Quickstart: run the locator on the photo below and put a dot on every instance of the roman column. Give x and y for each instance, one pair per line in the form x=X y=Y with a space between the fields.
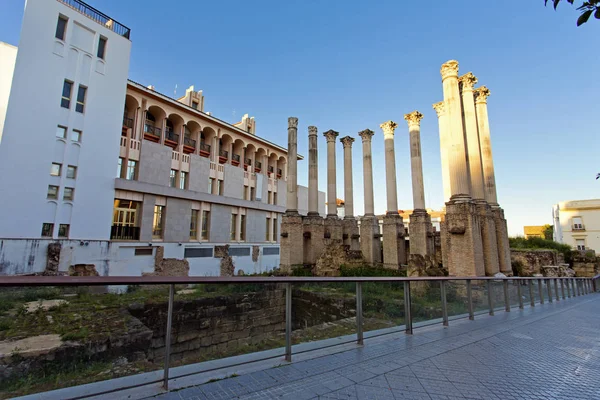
x=366 y=136
x=416 y=163
x=466 y=83
x=390 y=166
x=440 y=110
x=331 y=135
x=459 y=179
x=292 y=167
x=482 y=94
x=348 y=195
x=313 y=172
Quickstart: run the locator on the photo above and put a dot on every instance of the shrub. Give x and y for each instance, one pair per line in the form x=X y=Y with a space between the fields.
x=521 y=242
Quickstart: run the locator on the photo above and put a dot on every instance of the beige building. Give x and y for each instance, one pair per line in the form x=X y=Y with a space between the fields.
x=532 y=231
x=577 y=223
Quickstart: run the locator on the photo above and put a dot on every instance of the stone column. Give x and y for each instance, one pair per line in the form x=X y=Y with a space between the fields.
x=313 y=172
x=459 y=178
x=390 y=166
x=331 y=135
x=416 y=162
x=394 y=244
x=292 y=167
x=370 y=242
x=348 y=195
x=442 y=122
x=482 y=94
x=466 y=83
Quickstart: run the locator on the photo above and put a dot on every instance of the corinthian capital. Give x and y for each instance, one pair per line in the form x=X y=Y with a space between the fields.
x=312 y=131
x=414 y=118
x=347 y=141
x=388 y=128
x=481 y=94
x=439 y=108
x=467 y=81
x=449 y=69
x=292 y=122
x=366 y=135
x=330 y=135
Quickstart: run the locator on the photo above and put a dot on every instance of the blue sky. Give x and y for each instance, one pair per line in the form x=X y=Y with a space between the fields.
x=349 y=65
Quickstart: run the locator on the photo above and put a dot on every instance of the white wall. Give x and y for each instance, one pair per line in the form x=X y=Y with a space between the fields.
x=589 y=212
x=29 y=145
x=8 y=56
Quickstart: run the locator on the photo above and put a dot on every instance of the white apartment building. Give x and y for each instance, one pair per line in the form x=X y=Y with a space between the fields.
x=577 y=223
x=114 y=170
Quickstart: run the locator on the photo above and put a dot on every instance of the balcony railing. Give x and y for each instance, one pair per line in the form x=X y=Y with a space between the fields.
x=98 y=16
x=235 y=157
x=152 y=130
x=257 y=166
x=223 y=153
x=270 y=169
x=172 y=136
x=122 y=232
x=128 y=122
x=247 y=161
x=189 y=142
x=205 y=147
x=279 y=172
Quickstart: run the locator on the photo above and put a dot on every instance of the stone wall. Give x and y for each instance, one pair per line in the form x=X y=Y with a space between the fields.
x=155 y=163
x=531 y=260
x=200 y=171
x=586 y=264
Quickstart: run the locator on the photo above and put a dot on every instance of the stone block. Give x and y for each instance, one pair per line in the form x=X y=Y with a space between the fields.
x=502 y=240
x=292 y=240
x=488 y=239
x=394 y=247
x=421 y=233
x=462 y=232
x=369 y=243
x=313 y=238
x=350 y=233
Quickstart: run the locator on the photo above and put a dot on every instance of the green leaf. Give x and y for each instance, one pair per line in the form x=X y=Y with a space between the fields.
x=597 y=13
x=583 y=18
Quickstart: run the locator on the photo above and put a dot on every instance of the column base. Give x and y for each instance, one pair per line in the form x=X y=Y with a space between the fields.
x=350 y=233
x=394 y=244
x=488 y=238
x=420 y=233
x=370 y=242
x=502 y=241
x=291 y=246
x=333 y=229
x=313 y=238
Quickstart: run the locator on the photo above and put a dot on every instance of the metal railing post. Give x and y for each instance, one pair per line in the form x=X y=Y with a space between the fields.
x=168 y=337
x=568 y=285
x=519 y=293
x=562 y=288
x=594 y=285
x=288 y=322
x=530 y=283
x=359 y=314
x=470 y=300
x=541 y=290
x=490 y=299
x=407 y=307
x=549 y=288
x=556 y=289
x=587 y=286
x=576 y=288
x=506 y=297
x=444 y=304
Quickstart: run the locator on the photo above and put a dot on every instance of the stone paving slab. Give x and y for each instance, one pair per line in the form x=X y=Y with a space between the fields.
x=551 y=351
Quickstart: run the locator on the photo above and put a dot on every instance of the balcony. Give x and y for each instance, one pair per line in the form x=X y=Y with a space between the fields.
x=247 y=163
x=123 y=232
x=278 y=173
x=189 y=145
x=235 y=159
x=204 y=149
x=258 y=166
x=151 y=132
x=223 y=155
x=127 y=122
x=578 y=227
x=171 y=139
x=98 y=16
x=270 y=170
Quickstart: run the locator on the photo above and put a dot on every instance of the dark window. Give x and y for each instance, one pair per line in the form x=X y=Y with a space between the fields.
x=61 y=27
x=80 y=99
x=239 y=251
x=195 y=105
x=143 y=251
x=63 y=230
x=52 y=192
x=101 y=47
x=47 y=229
x=195 y=252
x=270 y=251
x=65 y=101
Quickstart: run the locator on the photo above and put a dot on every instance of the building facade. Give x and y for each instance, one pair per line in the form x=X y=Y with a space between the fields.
x=577 y=223
x=116 y=170
x=534 y=231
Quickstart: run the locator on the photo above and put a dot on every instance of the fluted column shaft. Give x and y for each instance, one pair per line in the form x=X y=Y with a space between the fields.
x=313 y=172
x=483 y=122
x=390 y=166
x=292 y=167
x=366 y=136
x=348 y=190
x=440 y=109
x=331 y=136
x=459 y=180
x=416 y=163
x=472 y=136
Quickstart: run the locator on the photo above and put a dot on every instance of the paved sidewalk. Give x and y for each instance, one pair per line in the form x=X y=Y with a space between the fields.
x=551 y=351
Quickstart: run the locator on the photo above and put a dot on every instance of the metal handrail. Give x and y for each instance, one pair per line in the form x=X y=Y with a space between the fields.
x=98 y=16
x=187 y=141
x=172 y=136
x=235 y=157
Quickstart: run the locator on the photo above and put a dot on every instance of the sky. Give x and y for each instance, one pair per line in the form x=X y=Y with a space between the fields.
x=350 y=65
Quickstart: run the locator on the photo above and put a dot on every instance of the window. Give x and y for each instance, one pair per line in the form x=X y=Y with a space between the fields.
x=157 y=226
x=183 y=179
x=147 y=251
x=211 y=182
x=61 y=27
x=580 y=243
x=267 y=231
x=71 y=172
x=220 y=187
x=252 y=193
x=69 y=193
x=194 y=225
x=195 y=105
x=61 y=132
x=76 y=135
x=63 y=230
x=47 y=229
x=173 y=178
x=55 y=169
x=243 y=227
x=120 y=168
x=245 y=192
x=205 y=224
x=65 y=101
x=269 y=197
x=52 y=192
x=275 y=198
x=274 y=229
x=577 y=224
x=131 y=170
x=80 y=99
x=233 y=226
x=101 y=47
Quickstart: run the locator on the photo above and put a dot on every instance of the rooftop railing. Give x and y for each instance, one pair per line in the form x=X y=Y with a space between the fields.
x=507 y=292
x=98 y=16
